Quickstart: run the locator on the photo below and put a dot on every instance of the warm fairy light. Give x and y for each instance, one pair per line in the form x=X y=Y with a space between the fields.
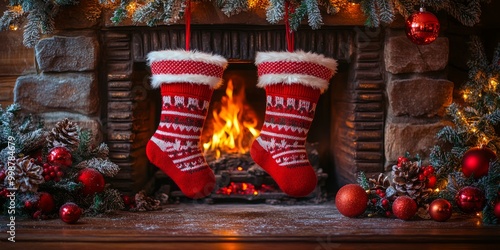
x=473 y=130
x=13 y=27
x=17 y=8
x=493 y=84
x=234 y=124
x=255 y=192
x=465 y=96
x=257 y=4
x=436 y=190
x=131 y=7
x=240 y=168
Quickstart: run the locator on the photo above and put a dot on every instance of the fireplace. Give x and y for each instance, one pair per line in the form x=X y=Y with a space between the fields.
x=349 y=122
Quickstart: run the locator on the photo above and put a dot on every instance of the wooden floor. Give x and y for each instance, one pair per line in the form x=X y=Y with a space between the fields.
x=245 y=226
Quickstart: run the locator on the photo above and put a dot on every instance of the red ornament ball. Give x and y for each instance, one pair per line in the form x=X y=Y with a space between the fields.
x=496 y=210
x=440 y=210
x=476 y=161
x=470 y=199
x=92 y=180
x=404 y=207
x=422 y=27
x=46 y=203
x=60 y=156
x=70 y=213
x=351 y=200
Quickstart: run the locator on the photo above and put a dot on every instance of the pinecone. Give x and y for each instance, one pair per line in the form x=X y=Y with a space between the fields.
x=381 y=182
x=407 y=182
x=65 y=134
x=27 y=175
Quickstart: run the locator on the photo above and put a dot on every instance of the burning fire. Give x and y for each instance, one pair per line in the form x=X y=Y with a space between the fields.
x=243 y=188
x=234 y=124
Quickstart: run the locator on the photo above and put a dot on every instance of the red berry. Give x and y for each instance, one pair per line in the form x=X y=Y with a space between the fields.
x=37 y=215
x=57 y=179
x=46 y=165
x=427 y=172
x=2 y=176
x=57 y=169
x=46 y=177
x=431 y=169
x=52 y=174
x=421 y=177
x=402 y=159
x=374 y=201
x=378 y=191
x=431 y=181
x=382 y=194
x=51 y=168
x=59 y=174
x=388 y=213
x=385 y=202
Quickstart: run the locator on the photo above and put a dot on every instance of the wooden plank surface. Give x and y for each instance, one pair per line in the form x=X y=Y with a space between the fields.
x=249 y=226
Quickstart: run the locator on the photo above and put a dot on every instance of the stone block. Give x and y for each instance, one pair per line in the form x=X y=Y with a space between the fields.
x=62 y=54
x=72 y=92
x=406 y=137
x=91 y=124
x=403 y=56
x=419 y=97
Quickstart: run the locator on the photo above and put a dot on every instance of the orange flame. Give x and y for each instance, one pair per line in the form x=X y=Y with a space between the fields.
x=243 y=188
x=234 y=124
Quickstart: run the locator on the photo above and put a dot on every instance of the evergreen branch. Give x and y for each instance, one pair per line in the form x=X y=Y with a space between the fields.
x=297 y=16
x=314 y=15
x=405 y=8
x=104 y=166
x=32 y=32
x=275 y=12
x=369 y=9
x=232 y=7
x=10 y=17
x=363 y=181
x=31 y=141
x=386 y=11
x=108 y=201
x=102 y=151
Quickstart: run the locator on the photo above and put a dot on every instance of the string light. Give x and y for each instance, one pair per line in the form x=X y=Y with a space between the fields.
x=13 y=27
x=18 y=9
x=493 y=83
x=131 y=7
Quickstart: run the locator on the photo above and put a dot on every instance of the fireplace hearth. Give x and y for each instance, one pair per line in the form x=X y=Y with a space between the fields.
x=351 y=110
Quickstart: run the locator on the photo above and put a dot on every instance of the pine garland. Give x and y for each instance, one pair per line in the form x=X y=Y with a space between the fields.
x=39 y=14
x=30 y=154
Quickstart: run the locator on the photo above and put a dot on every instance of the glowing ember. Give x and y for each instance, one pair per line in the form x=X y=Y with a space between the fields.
x=243 y=188
x=233 y=124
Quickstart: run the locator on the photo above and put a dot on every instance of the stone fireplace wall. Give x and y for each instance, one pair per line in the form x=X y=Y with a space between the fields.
x=418 y=93
x=393 y=99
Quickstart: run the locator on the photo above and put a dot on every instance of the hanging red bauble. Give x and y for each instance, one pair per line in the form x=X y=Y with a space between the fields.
x=351 y=200
x=440 y=210
x=422 y=27
x=470 y=199
x=404 y=207
x=70 y=213
x=496 y=210
x=477 y=161
x=45 y=203
x=60 y=156
x=92 y=180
